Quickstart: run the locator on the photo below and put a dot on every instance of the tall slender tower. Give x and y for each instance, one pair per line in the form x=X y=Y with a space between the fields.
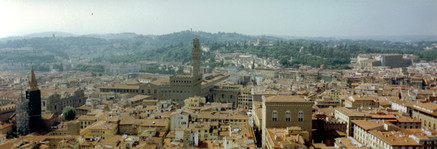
x=33 y=94
x=196 y=57
x=197 y=76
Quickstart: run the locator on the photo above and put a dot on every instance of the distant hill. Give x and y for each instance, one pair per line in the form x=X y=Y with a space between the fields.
x=50 y=34
x=34 y=35
x=180 y=37
x=172 y=38
x=404 y=38
x=187 y=36
x=112 y=36
x=41 y=47
x=176 y=47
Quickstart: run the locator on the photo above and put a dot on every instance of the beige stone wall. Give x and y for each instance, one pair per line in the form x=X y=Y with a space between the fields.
x=271 y=73
x=85 y=123
x=130 y=129
x=282 y=108
x=428 y=121
x=360 y=103
x=244 y=100
x=180 y=88
x=361 y=135
x=342 y=117
x=294 y=108
x=225 y=96
x=102 y=132
x=287 y=75
x=150 y=89
x=56 y=102
x=158 y=128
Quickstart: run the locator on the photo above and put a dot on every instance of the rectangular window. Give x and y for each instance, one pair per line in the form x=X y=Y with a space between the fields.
x=287 y=116
x=300 y=116
x=275 y=115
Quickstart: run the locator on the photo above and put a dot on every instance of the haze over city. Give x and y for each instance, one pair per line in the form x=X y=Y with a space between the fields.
x=218 y=74
x=341 y=18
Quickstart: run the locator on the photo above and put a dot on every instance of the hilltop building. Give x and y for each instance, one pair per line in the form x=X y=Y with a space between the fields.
x=368 y=61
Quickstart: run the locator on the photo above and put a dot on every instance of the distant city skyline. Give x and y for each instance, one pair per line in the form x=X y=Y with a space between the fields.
x=291 y=18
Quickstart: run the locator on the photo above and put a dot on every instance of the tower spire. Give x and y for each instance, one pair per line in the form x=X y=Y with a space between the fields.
x=33 y=84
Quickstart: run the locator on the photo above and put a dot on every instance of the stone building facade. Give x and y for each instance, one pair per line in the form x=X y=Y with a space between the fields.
x=245 y=98
x=57 y=102
x=226 y=93
x=427 y=114
x=286 y=111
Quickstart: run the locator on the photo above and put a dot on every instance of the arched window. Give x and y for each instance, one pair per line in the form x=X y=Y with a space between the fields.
x=275 y=115
x=300 y=116
x=287 y=116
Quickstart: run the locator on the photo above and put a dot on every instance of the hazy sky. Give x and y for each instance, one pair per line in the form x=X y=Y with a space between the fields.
x=330 y=18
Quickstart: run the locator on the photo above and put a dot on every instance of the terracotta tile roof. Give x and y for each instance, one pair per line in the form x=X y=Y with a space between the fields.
x=122 y=86
x=285 y=99
x=368 y=124
x=406 y=119
x=350 y=112
x=139 y=97
x=394 y=139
